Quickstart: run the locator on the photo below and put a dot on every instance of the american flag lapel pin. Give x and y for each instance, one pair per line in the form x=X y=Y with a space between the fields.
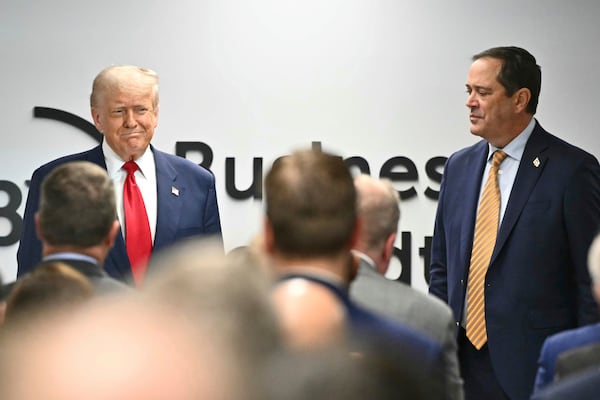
x=174 y=191
x=536 y=162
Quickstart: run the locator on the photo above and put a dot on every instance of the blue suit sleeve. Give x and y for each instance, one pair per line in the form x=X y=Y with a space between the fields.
x=29 y=252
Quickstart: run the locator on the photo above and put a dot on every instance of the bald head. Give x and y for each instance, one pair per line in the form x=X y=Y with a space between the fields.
x=594 y=266
x=379 y=211
x=310 y=315
x=113 y=349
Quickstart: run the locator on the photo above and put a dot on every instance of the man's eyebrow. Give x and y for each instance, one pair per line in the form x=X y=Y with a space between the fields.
x=478 y=87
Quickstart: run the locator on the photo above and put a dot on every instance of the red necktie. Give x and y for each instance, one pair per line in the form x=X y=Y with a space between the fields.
x=138 y=239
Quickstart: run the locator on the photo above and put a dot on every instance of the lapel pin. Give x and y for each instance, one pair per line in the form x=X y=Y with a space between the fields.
x=536 y=162
x=174 y=191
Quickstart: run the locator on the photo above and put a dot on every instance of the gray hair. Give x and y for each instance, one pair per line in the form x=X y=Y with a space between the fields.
x=378 y=205
x=118 y=75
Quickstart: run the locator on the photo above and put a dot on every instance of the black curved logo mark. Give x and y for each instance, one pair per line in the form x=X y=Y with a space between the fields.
x=68 y=118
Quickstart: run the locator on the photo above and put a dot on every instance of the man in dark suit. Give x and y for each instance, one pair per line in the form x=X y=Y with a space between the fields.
x=559 y=343
x=310 y=228
x=76 y=221
x=178 y=196
x=379 y=213
x=535 y=282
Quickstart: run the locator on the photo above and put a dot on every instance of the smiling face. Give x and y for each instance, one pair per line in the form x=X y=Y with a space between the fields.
x=125 y=110
x=493 y=114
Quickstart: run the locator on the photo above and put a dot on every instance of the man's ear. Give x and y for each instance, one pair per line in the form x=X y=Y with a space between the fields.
x=522 y=98
x=2 y=311
x=356 y=232
x=268 y=236
x=97 y=120
x=388 y=251
x=38 y=226
x=112 y=234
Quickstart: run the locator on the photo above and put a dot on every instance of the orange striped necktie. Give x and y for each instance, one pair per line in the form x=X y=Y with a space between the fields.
x=486 y=230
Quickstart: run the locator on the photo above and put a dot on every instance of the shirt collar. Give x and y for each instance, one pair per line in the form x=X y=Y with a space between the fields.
x=70 y=256
x=364 y=258
x=516 y=147
x=114 y=162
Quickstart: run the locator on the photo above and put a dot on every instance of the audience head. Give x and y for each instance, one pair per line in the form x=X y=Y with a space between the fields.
x=310 y=316
x=124 y=105
x=310 y=203
x=379 y=212
x=594 y=266
x=310 y=206
x=51 y=287
x=77 y=208
x=228 y=296
x=115 y=348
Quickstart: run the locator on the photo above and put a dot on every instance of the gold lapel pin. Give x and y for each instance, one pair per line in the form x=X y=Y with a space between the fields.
x=174 y=191
x=536 y=162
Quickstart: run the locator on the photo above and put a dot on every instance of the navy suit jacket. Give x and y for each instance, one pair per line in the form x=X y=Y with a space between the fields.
x=537 y=283
x=414 y=353
x=192 y=211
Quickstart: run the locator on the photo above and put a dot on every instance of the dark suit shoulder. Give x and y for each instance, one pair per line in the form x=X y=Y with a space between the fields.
x=542 y=138
x=181 y=164
x=93 y=155
x=574 y=337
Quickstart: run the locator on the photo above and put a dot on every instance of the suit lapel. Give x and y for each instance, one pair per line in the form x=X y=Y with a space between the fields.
x=527 y=176
x=169 y=200
x=117 y=258
x=96 y=156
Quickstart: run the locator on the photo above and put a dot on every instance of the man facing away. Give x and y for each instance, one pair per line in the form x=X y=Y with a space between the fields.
x=310 y=228
x=76 y=221
x=515 y=218
x=167 y=197
x=379 y=212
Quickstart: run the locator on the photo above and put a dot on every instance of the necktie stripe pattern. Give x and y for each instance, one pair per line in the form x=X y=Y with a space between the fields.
x=486 y=230
x=138 y=239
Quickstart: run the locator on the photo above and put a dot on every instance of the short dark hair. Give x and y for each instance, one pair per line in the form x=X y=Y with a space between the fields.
x=47 y=288
x=77 y=205
x=519 y=70
x=310 y=203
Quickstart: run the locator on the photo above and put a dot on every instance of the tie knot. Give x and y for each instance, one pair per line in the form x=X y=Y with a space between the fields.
x=499 y=156
x=130 y=167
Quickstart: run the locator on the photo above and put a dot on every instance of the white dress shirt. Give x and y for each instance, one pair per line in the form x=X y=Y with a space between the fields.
x=145 y=178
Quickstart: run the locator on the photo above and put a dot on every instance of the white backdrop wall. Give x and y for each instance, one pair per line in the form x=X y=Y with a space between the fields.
x=256 y=79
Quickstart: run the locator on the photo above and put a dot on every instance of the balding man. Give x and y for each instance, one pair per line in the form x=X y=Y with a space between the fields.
x=379 y=212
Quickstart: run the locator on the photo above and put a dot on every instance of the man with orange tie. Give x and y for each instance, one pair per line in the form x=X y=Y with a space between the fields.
x=516 y=215
x=161 y=198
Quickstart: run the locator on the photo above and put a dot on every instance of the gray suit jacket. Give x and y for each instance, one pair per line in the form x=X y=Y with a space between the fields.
x=418 y=310
x=577 y=360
